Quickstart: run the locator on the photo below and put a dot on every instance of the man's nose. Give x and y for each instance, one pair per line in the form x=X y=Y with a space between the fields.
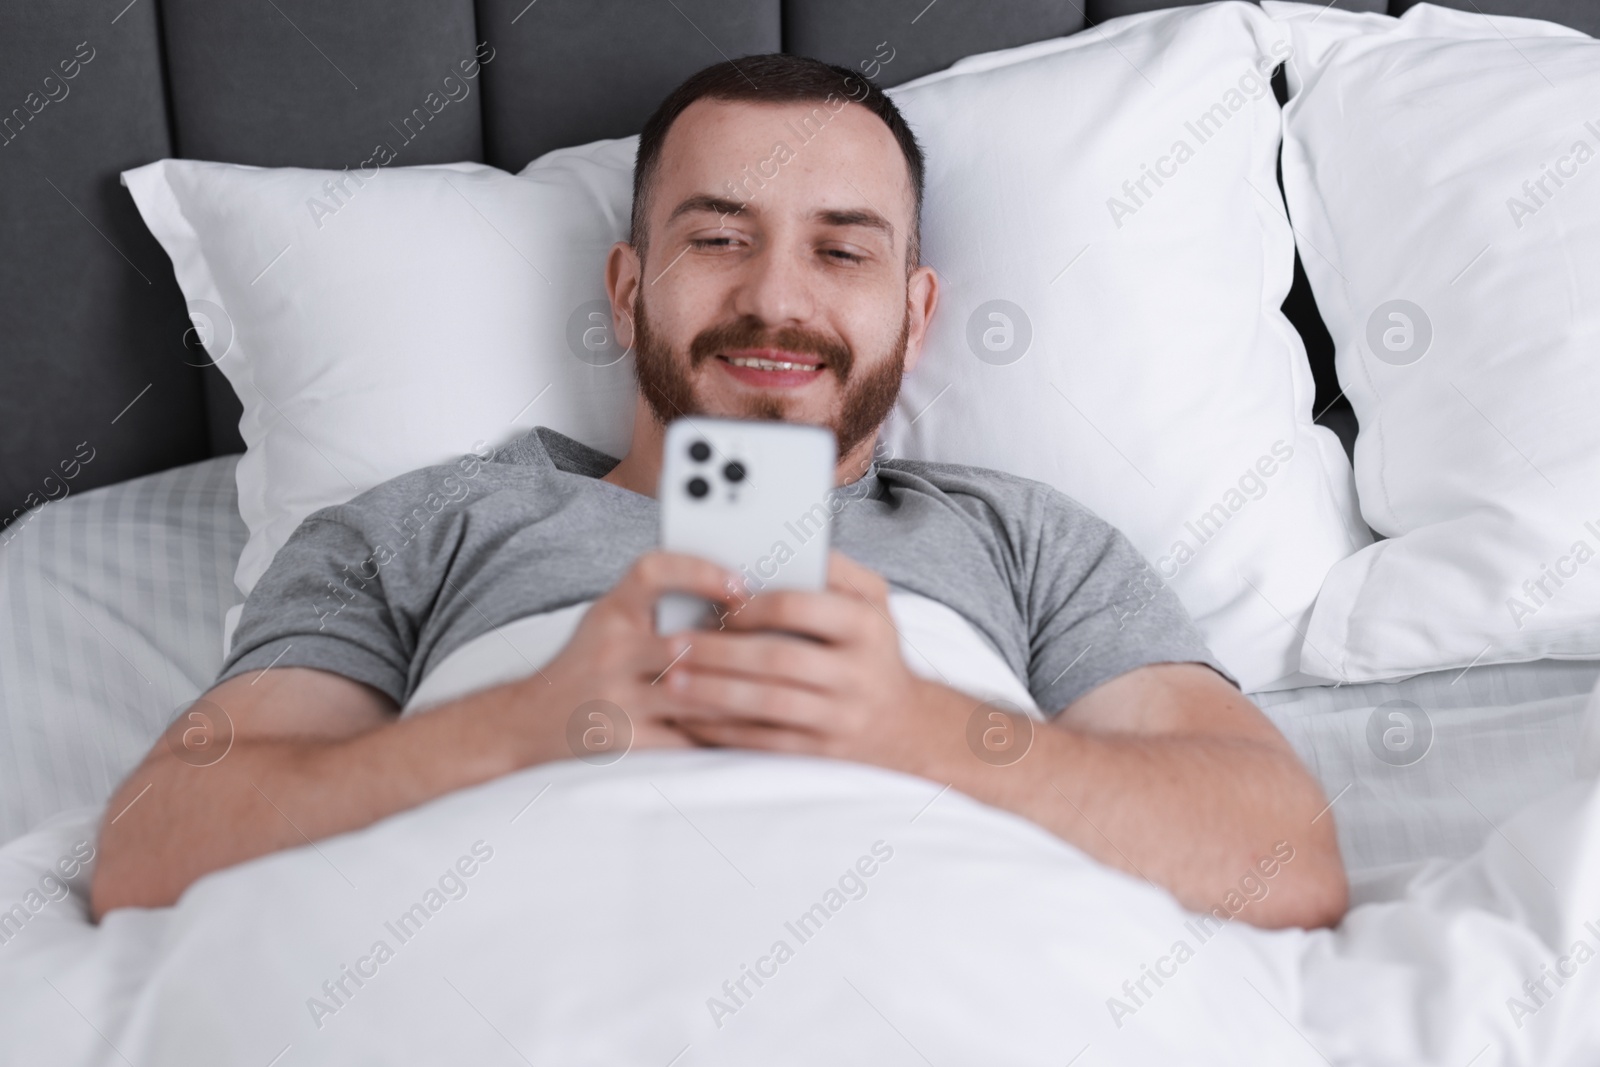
x=776 y=287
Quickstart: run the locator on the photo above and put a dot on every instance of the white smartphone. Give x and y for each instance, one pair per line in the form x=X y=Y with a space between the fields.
x=751 y=496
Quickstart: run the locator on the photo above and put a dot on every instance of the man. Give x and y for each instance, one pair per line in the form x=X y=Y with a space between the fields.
x=797 y=297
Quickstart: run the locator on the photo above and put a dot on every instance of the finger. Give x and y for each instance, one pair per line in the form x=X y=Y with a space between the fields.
x=735 y=733
x=657 y=571
x=661 y=655
x=827 y=616
x=764 y=656
x=713 y=695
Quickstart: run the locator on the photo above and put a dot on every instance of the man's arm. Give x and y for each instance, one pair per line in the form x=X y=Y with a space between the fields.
x=1169 y=773
x=315 y=754
x=1166 y=772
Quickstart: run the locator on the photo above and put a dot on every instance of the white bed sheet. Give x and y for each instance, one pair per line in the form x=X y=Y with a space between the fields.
x=611 y=908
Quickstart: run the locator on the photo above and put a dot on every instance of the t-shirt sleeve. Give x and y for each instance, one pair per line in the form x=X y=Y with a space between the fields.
x=321 y=604
x=1096 y=607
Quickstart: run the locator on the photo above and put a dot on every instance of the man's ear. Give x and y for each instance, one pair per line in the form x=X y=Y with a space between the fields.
x=922 y=298
x=622 y=286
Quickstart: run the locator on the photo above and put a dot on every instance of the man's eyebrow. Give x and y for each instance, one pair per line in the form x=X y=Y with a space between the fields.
x=718 y=205
x=855 y=217
x=723 y=206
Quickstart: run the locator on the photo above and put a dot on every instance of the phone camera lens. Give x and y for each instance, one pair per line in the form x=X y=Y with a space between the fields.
x=698 y=487
x=699 y=452
x=734 y=471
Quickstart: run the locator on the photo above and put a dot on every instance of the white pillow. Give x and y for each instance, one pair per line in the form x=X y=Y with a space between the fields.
x=1124 y=344
x=412 y=324
x=1465 y=305
x=433 y=311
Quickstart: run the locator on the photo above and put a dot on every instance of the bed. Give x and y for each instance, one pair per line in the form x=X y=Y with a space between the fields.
x=1472 y=842
x=1503 y=736
x=99 y=634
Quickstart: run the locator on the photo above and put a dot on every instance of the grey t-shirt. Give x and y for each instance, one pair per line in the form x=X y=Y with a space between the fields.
x=382 y=588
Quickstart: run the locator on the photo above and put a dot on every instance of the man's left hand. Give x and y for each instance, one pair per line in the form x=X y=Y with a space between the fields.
x=818 y=673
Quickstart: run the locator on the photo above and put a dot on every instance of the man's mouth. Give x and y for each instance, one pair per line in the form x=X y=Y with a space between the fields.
x=772 y=367
x=767 y=359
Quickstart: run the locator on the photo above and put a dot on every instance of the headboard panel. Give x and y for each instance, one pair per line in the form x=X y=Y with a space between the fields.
x=93 y=352
x=567 y=72
x=91 y=311
x=251 y=86
x=924 y=37
x=1579 y=14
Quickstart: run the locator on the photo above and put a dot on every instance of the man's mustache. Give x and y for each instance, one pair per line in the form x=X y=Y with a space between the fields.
x=748 y=333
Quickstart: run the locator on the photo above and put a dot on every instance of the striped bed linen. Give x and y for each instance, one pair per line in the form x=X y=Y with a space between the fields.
x=1503 y=736
x=111 y=605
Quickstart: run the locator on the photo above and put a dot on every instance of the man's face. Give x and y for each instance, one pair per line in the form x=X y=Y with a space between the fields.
x=775 y=284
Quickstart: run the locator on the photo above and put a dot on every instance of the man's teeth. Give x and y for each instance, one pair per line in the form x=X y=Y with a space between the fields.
x=770 y=364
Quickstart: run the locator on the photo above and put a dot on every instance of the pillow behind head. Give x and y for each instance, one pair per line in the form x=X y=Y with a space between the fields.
x=1104 y=214
x=374 y=323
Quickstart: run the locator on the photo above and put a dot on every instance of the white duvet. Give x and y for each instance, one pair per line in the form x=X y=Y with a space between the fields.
x=680 y=908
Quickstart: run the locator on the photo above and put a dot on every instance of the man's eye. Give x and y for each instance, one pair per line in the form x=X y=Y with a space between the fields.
x=843 y=255
x=707 y=242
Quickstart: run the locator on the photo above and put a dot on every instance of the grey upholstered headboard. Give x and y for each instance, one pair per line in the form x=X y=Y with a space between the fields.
x=93 y=352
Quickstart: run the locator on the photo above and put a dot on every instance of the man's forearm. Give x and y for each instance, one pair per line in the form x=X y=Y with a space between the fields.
x=1197 y=815
x=169 y=822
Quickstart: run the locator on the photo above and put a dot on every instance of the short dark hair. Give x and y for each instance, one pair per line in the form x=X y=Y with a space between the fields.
x=773 y=77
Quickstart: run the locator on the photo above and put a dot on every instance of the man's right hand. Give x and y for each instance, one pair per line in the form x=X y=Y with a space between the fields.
x=616 y=660
x=312 y=753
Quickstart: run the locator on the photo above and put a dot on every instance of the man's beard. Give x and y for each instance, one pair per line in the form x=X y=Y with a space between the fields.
x=666 y=386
